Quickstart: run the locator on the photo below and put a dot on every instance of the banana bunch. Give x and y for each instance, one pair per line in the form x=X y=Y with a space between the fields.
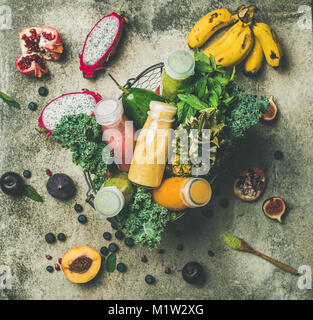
x=246 y=39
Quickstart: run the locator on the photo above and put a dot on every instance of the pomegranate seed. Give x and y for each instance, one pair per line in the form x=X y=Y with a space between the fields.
x=60 y=260
x=48 y=257
x=160 y=251
x=144 y=258
x=211 y=253
x=49 y=173
x=57 y=267
x=167 y=270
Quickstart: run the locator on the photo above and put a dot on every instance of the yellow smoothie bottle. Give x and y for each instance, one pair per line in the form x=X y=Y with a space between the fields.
x=151 y=151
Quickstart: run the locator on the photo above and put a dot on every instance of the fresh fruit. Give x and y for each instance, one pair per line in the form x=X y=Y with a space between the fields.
x=129 y=242
x=50 y=269
x=48 y=257
x=274 y=208
x=150 y=279
x=26 y=174
x=81 y=264
x=121 y=267
x=78 y=208
x=60 y=260
x=192 y=272
x=57 y=267
x=208 y=25
x=167 y=270
x=269 y=42
x=136 y=103
x=113 y=247
x=32 y=106
x=250 y=185
x=82 y=219
x=278 y=155
x=104 y=251
x=101 y=42
x=238 y=49
x=107 y=236
x=67 y=104
x=119 y=235
x=12 y=184
x=48 y=173
x=255 y=59
x=61 y=186
x=61 y=237
x=50 y=238
x=43 y=91
x=37 y=45
x=271 y=111
x=143 y=258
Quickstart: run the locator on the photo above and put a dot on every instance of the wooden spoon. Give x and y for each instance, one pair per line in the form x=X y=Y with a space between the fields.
x=246 y=248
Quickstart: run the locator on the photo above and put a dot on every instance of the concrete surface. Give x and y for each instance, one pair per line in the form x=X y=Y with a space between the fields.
x=155 y=28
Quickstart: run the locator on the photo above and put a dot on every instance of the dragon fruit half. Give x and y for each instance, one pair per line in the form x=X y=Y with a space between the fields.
x=101 y=43
x=37 y=45
x=67 y=104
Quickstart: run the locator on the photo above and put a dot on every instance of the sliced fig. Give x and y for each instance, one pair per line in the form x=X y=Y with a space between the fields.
x=250 y=184
x=274 y=208
x=271 y=111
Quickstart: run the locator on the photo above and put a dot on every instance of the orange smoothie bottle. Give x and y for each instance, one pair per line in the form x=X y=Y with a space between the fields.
x=179 y=193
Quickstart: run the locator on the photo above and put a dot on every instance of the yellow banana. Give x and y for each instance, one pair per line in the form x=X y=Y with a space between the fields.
x=255 y=58
x=269 y=42
x=238 y=49
x=225 y=41
x=208 y=25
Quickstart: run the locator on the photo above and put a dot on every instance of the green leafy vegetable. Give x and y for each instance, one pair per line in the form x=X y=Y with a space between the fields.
x=83 y=136
x=9 y=100
x=31 y=193
x=144 y=220
x=110 y=263
x=193 y=101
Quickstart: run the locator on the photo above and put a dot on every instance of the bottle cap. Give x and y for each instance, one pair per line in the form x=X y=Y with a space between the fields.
x=109 y=201
x=179 y=64
x=196 y=192
x=108 y=111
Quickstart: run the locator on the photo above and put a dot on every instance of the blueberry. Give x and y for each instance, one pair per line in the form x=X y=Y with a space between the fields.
x=43 y=91
x=26 y=174
x=107 y=236
x=121 y=267
x=278 y=155
x=78 y=208
x=32 y=106
x=129 y=242
x=104 y=251
x=61 y=237
x=82 y=219
x=150 y=279
x=50 y=237
x=119 y=235
x=113 y=247
x=50 y=269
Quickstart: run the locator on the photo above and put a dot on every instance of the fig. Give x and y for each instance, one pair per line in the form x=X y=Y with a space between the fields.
x=274 y=208
x=192 y=272
x=250 y=185
x=81 y=264
x=61 y=186
x=12 y=184
x=271 y=111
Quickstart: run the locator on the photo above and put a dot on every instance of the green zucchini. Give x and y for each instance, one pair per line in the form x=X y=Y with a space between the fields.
x=136 y=103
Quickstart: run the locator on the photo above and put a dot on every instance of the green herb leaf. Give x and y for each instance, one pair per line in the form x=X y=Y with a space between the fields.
x=181 y=111
x=201 y=87
x=31 y=193
x=203 y=67
x=212 y=62
x=190 y=113
x=228 y=101
x=232 y=77
x=193 y=101
x=213 y=99
x=222 y=80
x=110 y=263
x=186 y=88
x=202 y=57
x=9 y=100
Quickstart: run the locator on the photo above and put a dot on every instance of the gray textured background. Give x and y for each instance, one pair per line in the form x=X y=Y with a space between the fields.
x=157 y=27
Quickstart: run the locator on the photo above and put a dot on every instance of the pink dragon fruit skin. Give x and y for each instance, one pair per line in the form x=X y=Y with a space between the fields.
x=89 y=70
x=97 y=97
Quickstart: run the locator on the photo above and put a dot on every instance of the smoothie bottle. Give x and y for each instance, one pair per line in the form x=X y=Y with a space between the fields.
x=179 y=65
x=151 y=151
x=118 y=132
